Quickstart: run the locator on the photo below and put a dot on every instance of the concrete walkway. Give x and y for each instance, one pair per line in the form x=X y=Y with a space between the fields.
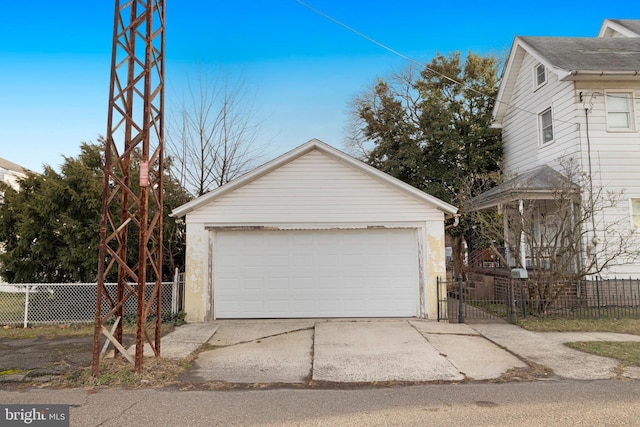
x=548 y=349
x=380 y=350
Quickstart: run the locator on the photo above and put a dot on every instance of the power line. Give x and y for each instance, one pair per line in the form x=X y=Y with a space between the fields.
x=426 y=67
x=384 y=46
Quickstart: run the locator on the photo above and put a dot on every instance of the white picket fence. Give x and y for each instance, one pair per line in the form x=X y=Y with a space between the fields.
x=47 y=303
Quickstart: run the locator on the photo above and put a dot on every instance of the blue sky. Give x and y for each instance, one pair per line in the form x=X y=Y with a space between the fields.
x=302 y=69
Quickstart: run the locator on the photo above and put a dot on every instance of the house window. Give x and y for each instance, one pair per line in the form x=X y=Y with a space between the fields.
x=546 y=126
x=635 y=213
x=619 y=112
x=540 y=75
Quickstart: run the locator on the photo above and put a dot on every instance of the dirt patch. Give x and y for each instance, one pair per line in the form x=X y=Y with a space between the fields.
x=45 y=356
x=40 y=360
x=531 y=373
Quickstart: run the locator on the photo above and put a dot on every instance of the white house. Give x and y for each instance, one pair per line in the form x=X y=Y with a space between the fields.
x=10 y=173
x=314 y=233
x=574 y=99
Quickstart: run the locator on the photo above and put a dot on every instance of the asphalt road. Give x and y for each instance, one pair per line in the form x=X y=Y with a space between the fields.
x=539 y=403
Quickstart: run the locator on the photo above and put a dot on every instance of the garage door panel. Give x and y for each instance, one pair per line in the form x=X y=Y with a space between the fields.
x=278 y=260
x=277 y=283
x=319 y=273
x=303 y=260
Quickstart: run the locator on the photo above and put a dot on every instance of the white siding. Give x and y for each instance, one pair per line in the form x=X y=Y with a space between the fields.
x=615 y=161
x=520 y=135
x=11 y=177
x=615 y=156
x=315 y=189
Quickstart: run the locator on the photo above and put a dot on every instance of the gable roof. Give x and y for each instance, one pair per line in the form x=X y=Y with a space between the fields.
x=300 y=151
x=539 y=183
x=10 y=166
x=620 y=28
x=573 y=58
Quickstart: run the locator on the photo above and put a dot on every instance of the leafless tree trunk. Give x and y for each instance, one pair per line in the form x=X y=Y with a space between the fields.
x=212 y=137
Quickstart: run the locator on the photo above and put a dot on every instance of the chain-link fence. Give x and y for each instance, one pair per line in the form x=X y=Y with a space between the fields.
x=41 y=303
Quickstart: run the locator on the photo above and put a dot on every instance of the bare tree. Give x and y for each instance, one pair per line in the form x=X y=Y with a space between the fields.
x=401 y=85
x=212 y=137
x=562 y=238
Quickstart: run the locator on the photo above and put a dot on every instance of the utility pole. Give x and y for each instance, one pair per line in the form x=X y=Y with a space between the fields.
x=131 y=224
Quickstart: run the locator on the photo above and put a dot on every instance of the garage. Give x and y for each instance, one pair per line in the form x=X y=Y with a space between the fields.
x=313 y=233
x=316 y=273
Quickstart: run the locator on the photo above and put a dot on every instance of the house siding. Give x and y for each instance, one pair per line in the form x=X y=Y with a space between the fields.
x=522 y=148
x=615 y=156
x=315 y=189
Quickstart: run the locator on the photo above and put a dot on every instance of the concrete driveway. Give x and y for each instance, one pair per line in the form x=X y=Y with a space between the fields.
x=348 y=351
x=383 y=350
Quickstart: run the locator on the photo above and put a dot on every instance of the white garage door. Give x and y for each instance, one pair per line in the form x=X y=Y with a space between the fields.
x=319 y=273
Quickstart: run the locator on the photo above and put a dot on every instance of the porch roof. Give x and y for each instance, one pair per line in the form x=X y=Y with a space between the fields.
x=540 y=183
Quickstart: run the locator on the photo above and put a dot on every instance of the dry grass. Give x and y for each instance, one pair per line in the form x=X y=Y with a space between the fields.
x=66 y=330
x=157 y=372
x=47 y=331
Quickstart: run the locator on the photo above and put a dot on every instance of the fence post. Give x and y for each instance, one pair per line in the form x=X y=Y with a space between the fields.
x=460 y=303
x=438 y=295
x=598 y=296
x=174 y=293
x=26 y=307
x=522 y=299
x=512 y=303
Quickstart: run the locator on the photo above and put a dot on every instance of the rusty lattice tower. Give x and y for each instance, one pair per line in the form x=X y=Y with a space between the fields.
x=131 y=226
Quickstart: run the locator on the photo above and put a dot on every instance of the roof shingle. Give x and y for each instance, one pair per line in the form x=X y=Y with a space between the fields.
x=588 y=54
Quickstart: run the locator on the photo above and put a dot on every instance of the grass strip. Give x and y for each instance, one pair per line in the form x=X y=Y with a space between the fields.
x=626 y=352
x=622 y=326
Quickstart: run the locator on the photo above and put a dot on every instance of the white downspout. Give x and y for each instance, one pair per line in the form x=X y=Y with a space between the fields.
x=523 y=257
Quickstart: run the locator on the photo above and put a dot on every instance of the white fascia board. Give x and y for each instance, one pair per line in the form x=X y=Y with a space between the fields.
x=401 y=185
x=608 y=24
x=298 y=152
x=514 y=67
x=506 y=86
x=243 y=180
x=600 y=75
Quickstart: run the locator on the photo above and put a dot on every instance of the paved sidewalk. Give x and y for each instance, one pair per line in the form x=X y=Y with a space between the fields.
x=548 y=349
